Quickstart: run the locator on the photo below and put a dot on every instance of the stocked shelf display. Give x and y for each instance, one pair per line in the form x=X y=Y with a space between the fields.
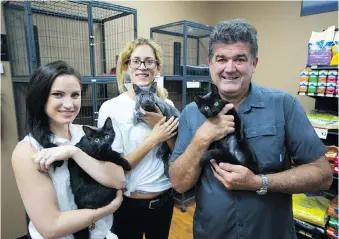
x=316 y=214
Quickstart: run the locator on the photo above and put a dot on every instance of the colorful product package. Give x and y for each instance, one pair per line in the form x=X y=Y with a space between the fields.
x=335 y=50
x=333 y=208
x=303 y=84
x=313 y=81
x=320 y=47
x=311 y=209
x=333 y=223
x=331 y=81
x=321 y=87
x=331 y=233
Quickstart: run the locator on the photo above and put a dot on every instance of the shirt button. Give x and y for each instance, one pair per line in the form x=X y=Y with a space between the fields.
x=240 y=224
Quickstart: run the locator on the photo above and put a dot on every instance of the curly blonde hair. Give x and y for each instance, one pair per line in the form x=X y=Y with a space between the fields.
x=126 y=53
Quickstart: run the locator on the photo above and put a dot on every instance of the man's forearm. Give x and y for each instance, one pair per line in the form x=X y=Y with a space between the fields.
x=310 y=177
x=185 y=170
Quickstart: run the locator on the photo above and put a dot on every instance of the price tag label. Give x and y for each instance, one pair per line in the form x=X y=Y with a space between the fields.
x=193 y=84
x=322 y=133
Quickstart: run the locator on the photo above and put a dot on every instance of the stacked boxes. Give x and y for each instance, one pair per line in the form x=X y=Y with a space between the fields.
x=319 y=81
x=331 y=81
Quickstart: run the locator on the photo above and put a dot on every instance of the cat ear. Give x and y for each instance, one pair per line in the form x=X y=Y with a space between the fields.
x=108 y=124
x=197 y=99
x=136 y=88
x=215 y=90
x=154 y=87
x=88 y=130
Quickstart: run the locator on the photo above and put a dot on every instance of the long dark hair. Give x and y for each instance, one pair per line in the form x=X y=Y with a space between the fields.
x=39 y=87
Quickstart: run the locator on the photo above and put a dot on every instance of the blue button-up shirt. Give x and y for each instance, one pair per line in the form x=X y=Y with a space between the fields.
x=276 y=126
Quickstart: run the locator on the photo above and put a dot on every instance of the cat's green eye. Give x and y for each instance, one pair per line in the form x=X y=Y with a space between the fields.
x=216 y=104
x=97 y=140
x=106 y=136
x=206 y=107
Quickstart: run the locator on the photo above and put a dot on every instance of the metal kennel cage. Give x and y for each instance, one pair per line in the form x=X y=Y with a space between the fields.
x=185 y=54
x=87 y=34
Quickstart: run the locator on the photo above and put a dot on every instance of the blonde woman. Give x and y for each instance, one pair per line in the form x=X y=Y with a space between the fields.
x=148 y=204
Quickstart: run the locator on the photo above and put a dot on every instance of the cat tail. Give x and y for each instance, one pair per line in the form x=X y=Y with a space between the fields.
x=164 y=154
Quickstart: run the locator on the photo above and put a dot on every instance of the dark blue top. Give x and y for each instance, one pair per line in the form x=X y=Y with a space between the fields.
x=276 y=125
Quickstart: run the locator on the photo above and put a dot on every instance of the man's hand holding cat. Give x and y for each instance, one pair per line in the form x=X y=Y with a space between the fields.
x=217 y=127
x=46 y=157
x=236 y=177
x=151 y=118
x=163 y=130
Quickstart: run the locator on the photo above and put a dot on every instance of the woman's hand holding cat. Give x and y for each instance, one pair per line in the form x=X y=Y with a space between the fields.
x=110 y=208
x=236 y=177
x=163 y=130
x=151 y=118
x=46 y=157
x=219 y=126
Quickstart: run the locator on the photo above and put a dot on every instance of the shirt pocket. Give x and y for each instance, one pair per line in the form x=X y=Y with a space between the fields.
x=266 y=143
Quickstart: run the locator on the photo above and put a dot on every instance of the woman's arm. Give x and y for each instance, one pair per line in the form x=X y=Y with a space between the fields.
x=39 y=198
x=162 y=131
x=105 y=173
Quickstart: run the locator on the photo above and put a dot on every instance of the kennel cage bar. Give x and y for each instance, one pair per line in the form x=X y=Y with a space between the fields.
x=180 y=29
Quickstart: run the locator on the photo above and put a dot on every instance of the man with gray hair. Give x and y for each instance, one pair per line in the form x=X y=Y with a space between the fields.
x=231 y=201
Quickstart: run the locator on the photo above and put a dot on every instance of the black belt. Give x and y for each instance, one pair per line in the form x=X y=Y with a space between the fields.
x=152 y=203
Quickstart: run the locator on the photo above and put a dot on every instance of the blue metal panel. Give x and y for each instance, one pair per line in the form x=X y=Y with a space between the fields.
x=103 y=48
x=56 y=14
x=167 y=25
x=94 y=98
x=116 y=16
x=29 y=37
x=107 y=5
x=91 y=38
x=8 y=43
x=184 y=66
x=198 y=25
x=198 y=45
x=174 y=34
x=135 y=19
x=99 y=79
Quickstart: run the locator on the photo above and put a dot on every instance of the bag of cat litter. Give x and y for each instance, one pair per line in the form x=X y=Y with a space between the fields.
x=335 y=50
x=320 y=47
x=311 y=209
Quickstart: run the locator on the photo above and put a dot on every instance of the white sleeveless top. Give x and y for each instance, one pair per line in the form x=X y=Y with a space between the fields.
x=148 y=176
x=61 y=182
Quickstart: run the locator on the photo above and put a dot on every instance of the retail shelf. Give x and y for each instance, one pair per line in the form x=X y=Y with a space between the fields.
x=322 y=67
x=318 y=94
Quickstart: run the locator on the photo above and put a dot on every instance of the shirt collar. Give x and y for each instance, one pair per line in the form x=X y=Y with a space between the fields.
x=253 y=99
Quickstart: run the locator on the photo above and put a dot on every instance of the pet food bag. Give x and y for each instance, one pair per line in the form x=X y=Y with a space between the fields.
x=335 y=50
x=331 y=233
x=311 y=209
x=320 y=47
x=333 y=223
x=333 y=208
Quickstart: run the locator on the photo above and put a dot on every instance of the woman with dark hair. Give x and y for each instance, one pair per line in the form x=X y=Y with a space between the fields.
x=53 y=101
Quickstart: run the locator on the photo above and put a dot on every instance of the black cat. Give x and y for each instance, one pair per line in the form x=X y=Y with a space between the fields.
x=88 y=193
x=233 y=148
x=146 y=98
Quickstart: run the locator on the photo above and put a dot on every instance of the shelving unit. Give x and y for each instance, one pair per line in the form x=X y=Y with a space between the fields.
x=325 y=103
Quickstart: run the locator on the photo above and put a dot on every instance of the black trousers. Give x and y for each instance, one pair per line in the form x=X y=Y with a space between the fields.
x=150 y=216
